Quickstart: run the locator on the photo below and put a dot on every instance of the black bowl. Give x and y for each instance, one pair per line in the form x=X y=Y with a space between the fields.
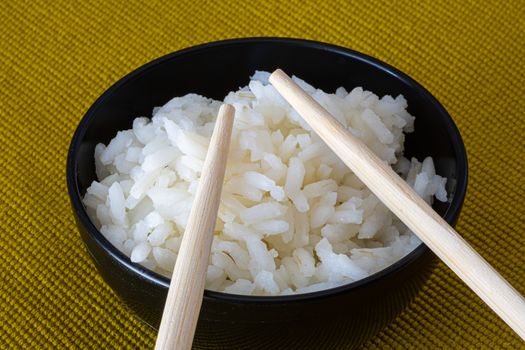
x=347 y=315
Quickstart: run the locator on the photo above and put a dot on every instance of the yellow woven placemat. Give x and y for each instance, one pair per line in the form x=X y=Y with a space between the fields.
x=57 y=57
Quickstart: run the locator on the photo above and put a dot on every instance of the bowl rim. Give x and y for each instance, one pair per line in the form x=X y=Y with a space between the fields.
x=450 y=215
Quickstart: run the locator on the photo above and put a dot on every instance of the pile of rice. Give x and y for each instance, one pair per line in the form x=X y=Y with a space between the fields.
x=293 y=218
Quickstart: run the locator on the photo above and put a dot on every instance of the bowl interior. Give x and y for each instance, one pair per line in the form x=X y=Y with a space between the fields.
x=215 y=69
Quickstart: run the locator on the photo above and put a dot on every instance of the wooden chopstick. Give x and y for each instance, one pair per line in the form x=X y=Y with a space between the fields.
x=184 y=300
x=404 y=202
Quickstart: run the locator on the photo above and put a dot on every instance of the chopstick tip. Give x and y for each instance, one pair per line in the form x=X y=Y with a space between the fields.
x=226 y=109
x=277 y=74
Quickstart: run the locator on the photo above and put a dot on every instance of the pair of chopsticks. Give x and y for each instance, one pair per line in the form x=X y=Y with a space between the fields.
x=187 y=284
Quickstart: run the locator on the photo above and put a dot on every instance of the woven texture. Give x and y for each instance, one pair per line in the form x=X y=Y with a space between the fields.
x=57 y=57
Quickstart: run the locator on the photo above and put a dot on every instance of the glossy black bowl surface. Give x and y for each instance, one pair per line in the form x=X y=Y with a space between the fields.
x=347 y=315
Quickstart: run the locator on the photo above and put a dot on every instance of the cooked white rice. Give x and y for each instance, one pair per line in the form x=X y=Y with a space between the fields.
x=293 y=218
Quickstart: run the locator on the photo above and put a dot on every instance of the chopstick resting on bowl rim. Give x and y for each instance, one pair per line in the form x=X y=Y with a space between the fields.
x=184 y=300
x=406 y=204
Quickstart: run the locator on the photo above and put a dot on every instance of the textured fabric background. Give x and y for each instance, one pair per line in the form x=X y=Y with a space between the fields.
x=57 y=57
